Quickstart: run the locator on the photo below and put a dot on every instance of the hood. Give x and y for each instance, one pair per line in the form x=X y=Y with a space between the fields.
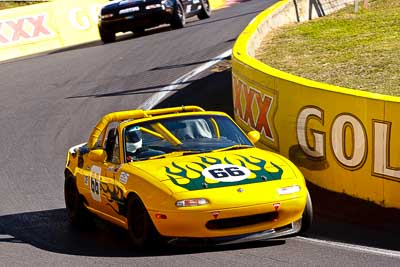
x=218 y=169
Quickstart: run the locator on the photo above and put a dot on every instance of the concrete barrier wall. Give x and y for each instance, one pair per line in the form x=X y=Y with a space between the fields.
x=342 y=139
x=46 y=26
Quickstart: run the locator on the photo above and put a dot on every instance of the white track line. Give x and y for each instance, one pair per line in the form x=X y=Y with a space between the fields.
x=157 y=97
x=378 y=251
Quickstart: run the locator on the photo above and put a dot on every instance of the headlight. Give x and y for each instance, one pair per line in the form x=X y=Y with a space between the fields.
x=191 y=202
x=106 y=16
x=153 y=6
x=289 y=190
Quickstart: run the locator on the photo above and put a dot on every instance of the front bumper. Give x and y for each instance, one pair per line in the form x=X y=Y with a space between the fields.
x=142 y=19
x=244 y=223
x=286 y=230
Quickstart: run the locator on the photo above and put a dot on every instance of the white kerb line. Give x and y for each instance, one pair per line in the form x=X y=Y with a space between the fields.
x=155 y=98
x=372 y=250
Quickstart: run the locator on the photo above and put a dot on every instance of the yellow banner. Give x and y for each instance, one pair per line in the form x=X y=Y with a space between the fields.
x=42 y=27
x=23 y=28
x=77 y=20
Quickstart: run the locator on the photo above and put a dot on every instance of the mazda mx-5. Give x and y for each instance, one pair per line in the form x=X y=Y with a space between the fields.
x=184 y=172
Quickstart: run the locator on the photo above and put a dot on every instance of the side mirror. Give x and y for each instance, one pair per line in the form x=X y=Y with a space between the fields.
x=254 y=136
x=98 y=155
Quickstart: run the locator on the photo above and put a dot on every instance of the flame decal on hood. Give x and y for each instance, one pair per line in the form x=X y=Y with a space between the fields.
x=190 y=175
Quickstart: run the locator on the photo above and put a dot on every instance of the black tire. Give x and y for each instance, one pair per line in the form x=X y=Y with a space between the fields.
x=76 y=211
x=140 y=227
x=179 y=17
x=106 y=36
x=205 y=11
x=307 y=218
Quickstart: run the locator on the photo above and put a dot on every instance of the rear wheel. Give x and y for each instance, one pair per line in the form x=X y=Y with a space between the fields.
x=205 y=10
x=76 y=211
x=307 y=218
x=107 y=36
x=179 y=16
x=140 y=226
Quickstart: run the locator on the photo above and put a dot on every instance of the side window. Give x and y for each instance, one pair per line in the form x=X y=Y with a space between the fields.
x=112 y=146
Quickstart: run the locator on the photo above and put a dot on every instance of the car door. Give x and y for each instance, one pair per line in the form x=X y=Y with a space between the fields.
x=111 y=196
x=88 y=180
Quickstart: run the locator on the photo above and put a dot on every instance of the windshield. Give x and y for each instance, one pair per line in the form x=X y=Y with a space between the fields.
x=182 y=135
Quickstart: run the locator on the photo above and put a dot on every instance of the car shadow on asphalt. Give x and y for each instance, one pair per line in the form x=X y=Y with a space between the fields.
x=49 y=230
x=120 y=38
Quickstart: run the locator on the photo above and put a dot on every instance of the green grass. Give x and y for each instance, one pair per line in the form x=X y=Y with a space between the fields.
x=355 y=50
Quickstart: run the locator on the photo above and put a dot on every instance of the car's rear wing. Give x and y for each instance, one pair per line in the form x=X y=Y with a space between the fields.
x=132 y=115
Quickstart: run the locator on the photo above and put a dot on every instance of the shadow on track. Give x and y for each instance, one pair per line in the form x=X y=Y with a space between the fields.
x=50 y=231
x=136 y=91
x=210 y=93
x=341 y=218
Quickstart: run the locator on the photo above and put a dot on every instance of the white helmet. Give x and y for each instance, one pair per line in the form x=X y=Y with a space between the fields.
x=133 y=139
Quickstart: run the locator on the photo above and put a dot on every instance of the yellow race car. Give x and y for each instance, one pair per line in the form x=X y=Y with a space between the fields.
x=184 y=173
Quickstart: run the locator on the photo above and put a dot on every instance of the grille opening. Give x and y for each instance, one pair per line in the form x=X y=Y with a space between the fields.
x=241 y=221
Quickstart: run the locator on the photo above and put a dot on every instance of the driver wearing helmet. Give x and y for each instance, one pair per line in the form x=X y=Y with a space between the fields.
x=134 y=143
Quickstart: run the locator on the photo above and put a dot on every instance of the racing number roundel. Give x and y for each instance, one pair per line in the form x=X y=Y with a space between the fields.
x=226 y=173
x=95 y=174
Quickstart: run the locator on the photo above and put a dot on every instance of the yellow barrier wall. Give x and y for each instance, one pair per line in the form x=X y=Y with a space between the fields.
x=42 y=27
x=77 y=20
x=216 y=4
x=342 y=139
x=23 y=28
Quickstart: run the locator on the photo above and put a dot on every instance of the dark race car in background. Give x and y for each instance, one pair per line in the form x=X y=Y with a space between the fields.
x=138 y=15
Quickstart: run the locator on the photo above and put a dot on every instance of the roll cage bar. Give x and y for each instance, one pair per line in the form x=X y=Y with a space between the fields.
x=133 y=115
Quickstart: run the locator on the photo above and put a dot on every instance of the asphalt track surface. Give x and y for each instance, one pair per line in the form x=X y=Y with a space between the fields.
x=50 y=102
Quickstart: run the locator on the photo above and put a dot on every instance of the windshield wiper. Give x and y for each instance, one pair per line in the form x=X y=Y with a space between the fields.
x=177 y=154
x=238 y=146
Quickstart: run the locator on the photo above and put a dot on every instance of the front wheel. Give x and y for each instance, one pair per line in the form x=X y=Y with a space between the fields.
x=107 y=36
x=140 y=226
x=179 y=17
x=205 y=10
x=307 y=218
